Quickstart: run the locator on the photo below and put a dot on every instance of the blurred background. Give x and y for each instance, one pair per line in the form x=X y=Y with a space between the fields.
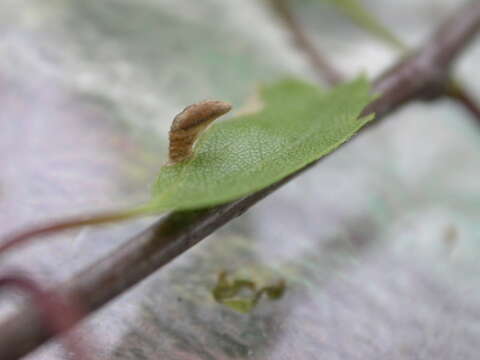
x=378 y=245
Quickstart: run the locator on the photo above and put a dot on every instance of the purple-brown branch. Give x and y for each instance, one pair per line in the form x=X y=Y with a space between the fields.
x=425 y=73
x=35 y=232
x=422 y=75
x=460 y=94
x=57 y=314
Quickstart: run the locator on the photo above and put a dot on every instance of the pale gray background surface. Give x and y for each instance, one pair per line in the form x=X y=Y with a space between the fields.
x=379 y=244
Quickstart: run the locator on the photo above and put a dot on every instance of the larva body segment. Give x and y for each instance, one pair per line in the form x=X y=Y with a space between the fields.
x=189 y=125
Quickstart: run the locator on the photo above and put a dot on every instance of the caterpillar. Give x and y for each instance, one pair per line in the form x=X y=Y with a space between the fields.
x=188 y=125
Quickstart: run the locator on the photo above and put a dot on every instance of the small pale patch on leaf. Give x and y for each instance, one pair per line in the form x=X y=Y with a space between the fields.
x=253 y=105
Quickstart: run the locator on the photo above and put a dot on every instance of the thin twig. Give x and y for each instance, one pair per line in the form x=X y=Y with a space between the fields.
x=320 y=64
x=463 y=96
x=418 y=76
x=36 y=232
x=58 y=314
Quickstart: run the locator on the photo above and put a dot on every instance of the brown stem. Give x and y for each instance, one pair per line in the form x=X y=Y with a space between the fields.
x=321 y=65
x=35 y=232
x=418 y=76
x=425 y=73
x=462 y=96
x=57 y=314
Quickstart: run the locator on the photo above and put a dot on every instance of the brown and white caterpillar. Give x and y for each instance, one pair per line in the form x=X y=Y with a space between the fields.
x=189 y=125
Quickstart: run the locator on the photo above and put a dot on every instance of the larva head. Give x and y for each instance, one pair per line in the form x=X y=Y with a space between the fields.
x=188 y=126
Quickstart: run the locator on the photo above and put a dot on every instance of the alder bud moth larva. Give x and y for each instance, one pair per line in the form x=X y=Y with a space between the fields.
x=189 y=125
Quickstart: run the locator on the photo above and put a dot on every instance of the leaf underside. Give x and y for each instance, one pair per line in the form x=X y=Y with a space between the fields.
x=298 y=124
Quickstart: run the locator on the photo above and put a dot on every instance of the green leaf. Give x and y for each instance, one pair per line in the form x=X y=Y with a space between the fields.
x=299 y=123
x=243 y=306
x=242 y=295
x=365 y=19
